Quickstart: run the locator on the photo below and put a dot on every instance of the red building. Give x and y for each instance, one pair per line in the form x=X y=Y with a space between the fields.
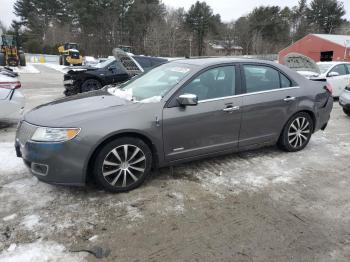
x=320 y=48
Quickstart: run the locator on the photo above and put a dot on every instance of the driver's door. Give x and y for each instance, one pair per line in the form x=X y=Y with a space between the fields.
x=210 y=126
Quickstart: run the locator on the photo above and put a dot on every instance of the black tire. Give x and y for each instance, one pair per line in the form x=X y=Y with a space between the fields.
x=90 y=85
x=118 y=173
x=2 y=59
x=61 y=60
x=346 y=111
x=22 y=60
x=297 y=132
x=65 y=62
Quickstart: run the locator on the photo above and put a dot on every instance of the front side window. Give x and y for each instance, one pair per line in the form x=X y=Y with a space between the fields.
x=348 y=67
x=263 y=78
x=214 y=83
x=340 y=69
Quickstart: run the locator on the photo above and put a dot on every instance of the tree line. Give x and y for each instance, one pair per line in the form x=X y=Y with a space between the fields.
x=151 y=28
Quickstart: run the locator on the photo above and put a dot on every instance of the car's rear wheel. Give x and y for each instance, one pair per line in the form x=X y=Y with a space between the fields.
x=297 y=132
x=123 y=164
x=346 y=111
x=90 y=85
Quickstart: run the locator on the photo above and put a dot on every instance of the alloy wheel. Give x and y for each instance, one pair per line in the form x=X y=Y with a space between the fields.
x=299 y=132
x=124 y=166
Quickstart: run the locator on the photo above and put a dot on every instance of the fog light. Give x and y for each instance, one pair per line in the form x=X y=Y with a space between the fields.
x=39 y=169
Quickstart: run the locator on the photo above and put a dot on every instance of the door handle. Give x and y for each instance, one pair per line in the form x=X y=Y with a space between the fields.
x=289 y=98
x=231 y=109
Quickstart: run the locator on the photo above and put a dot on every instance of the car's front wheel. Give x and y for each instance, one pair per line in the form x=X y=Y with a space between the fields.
x=346 y=111
x=123 y=164
x=296 y=133
x=90 y=85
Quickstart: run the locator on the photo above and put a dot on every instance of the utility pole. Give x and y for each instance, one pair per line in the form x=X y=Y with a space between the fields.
x=190 y=39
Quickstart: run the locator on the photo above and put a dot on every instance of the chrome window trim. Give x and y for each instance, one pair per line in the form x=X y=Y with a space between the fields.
x=248 y=94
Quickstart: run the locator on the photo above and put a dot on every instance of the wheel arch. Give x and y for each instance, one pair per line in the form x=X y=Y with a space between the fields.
x=88 y=167
x=307 y=111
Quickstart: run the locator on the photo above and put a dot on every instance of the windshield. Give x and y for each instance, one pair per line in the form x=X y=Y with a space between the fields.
x=153 y=85
x=324 y=67
x=105 y=63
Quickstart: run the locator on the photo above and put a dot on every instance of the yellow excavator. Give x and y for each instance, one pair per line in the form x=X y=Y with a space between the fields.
x=9 y=53
x=70 y=55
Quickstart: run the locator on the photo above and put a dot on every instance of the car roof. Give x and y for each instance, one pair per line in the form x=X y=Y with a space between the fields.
x=205 y=62
x=333 y=63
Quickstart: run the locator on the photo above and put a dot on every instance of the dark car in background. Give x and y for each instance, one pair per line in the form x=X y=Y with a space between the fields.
x=88 y=78
x=177 y=112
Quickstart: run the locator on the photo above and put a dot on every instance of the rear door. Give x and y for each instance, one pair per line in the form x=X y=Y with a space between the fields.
x=212 y=125
x=270 y=98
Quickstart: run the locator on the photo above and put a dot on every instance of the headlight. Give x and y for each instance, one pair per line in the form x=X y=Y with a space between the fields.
x=48 y=134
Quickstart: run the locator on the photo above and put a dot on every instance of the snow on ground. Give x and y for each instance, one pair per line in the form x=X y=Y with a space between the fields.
x=9 y=164
x=60 y=68
x=40 y=251
x=31 y=221
x=28 y=69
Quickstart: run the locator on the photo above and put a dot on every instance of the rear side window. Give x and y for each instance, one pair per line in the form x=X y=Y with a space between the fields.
x=340 y=69
x=285 y=82
x=263 y=78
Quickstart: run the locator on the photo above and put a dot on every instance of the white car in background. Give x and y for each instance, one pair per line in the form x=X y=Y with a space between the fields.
x=11 y=99
x=337 y=75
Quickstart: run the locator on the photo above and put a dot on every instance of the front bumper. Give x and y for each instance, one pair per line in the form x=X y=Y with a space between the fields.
x=54 y=163
x=344 y=99
x=71 y=86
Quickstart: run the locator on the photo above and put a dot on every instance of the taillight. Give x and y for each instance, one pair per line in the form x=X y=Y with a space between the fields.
x=10 y=85
x=329 y=88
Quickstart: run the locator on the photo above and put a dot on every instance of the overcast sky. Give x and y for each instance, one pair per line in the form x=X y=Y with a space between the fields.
x=228 y=9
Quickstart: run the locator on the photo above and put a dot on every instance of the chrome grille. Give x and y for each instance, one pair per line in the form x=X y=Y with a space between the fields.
x=25 y=132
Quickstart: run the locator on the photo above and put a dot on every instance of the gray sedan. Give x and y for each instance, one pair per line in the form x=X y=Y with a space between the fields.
x=178 y=112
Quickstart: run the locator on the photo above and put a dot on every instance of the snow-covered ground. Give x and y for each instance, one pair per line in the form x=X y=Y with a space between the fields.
x=28 y=69
x=40 y=251
x=60 y=68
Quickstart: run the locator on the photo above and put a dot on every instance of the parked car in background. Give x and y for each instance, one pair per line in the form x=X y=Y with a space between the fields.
x=337 y=75
x=11 y=99
x=177 y=112
x=344 y=99
x=8 y=72
x=88 y=78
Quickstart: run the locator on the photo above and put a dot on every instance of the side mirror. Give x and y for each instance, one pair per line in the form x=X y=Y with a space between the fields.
x=333 y=74
x=188 y=100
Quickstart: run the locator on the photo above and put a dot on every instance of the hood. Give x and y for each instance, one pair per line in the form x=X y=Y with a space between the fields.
x=74 y=69
x=70 y=111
